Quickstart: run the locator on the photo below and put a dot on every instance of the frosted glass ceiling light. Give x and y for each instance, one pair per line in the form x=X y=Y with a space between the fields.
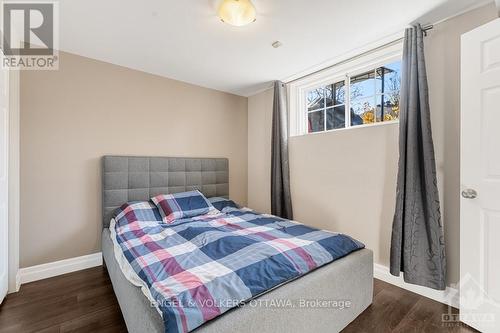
x=237 y=12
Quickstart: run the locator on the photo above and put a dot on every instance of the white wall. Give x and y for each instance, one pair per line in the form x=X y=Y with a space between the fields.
x=345 y=180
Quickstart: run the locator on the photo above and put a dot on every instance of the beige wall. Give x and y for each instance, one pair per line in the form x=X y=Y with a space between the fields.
x=345 y=180
x=86 y=109
x=259 y=151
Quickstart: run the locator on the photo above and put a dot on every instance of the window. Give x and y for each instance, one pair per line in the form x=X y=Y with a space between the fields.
x=373 y=97
x=326 y=107
x=364 y=93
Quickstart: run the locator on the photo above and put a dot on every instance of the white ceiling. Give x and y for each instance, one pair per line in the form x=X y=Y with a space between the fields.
x=184 y=40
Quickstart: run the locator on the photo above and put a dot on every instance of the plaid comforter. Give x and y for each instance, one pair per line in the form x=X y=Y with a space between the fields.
x=201 y=267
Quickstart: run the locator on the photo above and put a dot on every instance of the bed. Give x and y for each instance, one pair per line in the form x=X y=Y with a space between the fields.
x=348 y=280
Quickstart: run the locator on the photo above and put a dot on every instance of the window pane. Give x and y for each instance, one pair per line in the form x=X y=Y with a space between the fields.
x=374 y=96
x=363 y=111
x=389 y=78
x=363 y=85
x=335 y=94
x=390 y=109
x=316 y=99
x=335 y=117
x=316 y=121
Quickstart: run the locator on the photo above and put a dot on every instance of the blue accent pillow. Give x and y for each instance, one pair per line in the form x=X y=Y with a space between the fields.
x=182 y=205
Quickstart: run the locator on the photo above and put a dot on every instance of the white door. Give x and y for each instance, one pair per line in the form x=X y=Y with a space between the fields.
x=480 y=179
x=4 y=186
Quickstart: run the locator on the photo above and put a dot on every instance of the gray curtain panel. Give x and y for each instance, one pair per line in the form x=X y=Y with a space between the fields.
x=417 y=246
x=281 y=201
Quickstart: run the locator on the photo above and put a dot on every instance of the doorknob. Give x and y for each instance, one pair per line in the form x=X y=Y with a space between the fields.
x=469 y=193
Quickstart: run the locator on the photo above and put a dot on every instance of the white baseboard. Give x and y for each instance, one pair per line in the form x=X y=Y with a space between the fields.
x=449 y=296
x=44 y=271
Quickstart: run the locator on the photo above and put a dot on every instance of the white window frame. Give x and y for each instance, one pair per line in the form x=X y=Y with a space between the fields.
x=297 y=90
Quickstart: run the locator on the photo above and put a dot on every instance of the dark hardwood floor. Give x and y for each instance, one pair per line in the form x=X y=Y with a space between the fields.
x=398 y=310
x=84 y=302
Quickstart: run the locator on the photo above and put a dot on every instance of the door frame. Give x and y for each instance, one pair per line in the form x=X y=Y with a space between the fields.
x=14 y=179
x=14 y=278
x=13 y=79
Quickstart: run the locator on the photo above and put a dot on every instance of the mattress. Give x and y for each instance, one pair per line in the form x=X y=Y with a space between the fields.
x=345 y=286
x=204 y=265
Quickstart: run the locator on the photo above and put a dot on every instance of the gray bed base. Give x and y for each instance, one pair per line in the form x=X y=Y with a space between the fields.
x=347 y=279
x=127 y=178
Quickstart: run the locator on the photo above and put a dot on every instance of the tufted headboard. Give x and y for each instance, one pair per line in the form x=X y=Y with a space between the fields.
x=134 y=178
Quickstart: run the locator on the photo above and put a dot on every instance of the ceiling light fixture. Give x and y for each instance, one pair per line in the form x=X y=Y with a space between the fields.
x=237 y=12
x=277 y=44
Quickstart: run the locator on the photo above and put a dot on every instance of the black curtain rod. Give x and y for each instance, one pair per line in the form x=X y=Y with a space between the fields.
x=425 y=29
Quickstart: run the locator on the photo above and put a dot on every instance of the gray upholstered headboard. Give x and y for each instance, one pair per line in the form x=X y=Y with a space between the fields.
x=133 y=178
